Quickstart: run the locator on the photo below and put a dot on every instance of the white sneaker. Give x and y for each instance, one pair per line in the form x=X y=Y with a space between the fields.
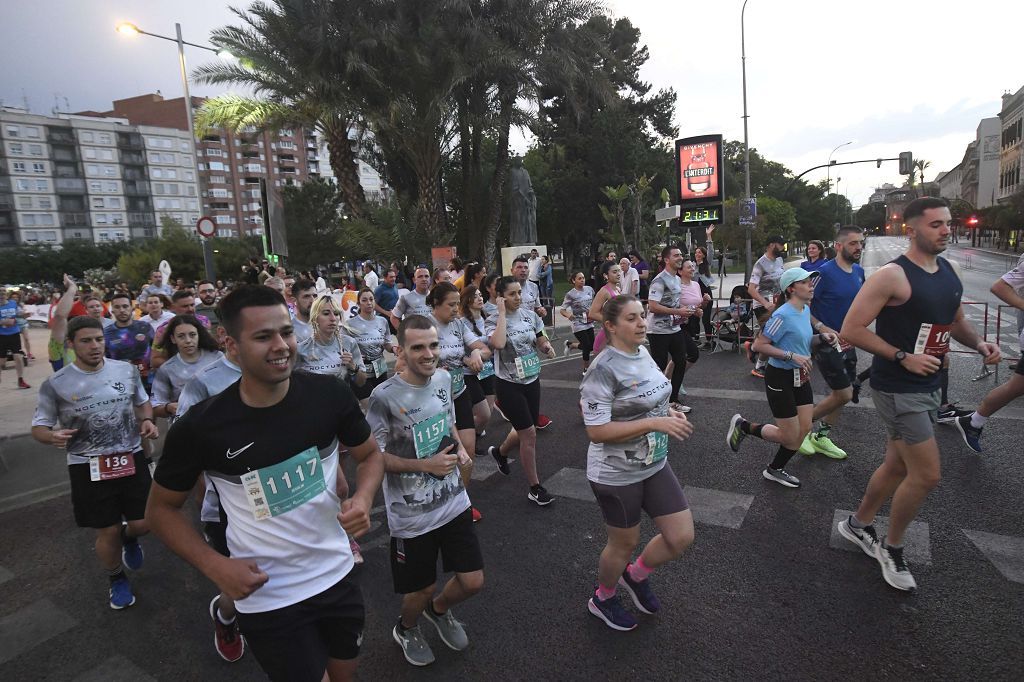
x=894 y=567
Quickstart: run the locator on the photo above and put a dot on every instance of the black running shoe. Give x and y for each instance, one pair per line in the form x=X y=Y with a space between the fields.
x=501 y=459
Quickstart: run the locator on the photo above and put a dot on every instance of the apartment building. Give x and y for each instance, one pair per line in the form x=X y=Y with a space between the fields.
x=76 y=176
x=1011 y=144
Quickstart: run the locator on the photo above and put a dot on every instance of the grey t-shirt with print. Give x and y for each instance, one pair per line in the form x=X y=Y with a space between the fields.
x=766 y=274
x=325 y=358
x=666 y=290
x=172 y=376
x=408 y=422
x=303 y=330
x=100 y=405
x=578 y=302
x=412 y=303
x=371 y=336
x=530 y=296
x=621 y=388
x=453 y=345
x=522 y=327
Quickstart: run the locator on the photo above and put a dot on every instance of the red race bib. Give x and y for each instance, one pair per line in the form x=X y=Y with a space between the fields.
x=800 y=377
x=114 y=465
x=933 y=339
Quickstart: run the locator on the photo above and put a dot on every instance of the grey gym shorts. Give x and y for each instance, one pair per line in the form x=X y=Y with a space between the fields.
x=908 y=416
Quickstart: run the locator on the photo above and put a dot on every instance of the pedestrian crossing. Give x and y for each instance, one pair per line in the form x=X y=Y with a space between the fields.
x=27 y=627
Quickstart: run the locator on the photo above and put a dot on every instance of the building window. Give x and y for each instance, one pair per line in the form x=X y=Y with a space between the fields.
x=18 y=167
x=42 y=185
x=35 y=149
x=110 y=186
x=89 y=153
x=114 y=202
x=24 y=202
x=16 y=148
x=110 y=171
x=38 y=167
x=104 y=138
x=28 y=220
x=23 y=185
x=32 y=132
x=97 y=202
x=13 y=131
x=86 y=136
x=95 y=186
x=107 y=154
x=45 y=202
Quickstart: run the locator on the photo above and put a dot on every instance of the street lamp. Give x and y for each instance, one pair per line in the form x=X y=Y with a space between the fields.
x=828 y=170
x=746 y=141
x=127 y=28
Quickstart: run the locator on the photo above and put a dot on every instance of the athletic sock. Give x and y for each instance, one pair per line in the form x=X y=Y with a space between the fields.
x=782 y=457
x=638 y=570
x=604 y=593
x=889 y=546
x=751 y=429
x=856 y=523
x=115 y=574
x=433 y=610
x=978 y=421
x=824 y=428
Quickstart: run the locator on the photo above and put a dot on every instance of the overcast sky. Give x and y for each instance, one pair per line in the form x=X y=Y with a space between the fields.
x=888 y=75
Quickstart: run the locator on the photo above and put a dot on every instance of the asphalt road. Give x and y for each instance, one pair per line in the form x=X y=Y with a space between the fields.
x=766 y=591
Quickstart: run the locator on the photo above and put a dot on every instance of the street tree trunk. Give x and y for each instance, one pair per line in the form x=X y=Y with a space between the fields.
x=497 y=193
x=345 y=165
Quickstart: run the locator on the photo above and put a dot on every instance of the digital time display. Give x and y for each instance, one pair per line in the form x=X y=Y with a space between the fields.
x=699 y=215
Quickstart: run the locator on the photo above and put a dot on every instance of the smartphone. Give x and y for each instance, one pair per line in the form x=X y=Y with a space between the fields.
x=445 y=442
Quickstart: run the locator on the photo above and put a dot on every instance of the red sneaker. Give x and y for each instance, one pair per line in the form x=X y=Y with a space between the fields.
x=543 y=422
x=477 y=516
x=22 y=384
x=750 y=353
x=757 y=372
x=228 y=641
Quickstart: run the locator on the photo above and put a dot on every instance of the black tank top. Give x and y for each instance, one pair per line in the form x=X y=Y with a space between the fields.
x=921 y=325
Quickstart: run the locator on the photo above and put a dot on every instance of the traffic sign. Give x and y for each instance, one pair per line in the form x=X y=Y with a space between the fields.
x=206 y=227
x=667 y=213
x=748 y=212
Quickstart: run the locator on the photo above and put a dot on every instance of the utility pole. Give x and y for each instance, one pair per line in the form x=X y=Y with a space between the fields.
x=746 y=139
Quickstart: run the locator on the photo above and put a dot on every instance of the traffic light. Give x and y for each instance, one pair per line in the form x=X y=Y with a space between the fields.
x=972 y=221
x=906 y=163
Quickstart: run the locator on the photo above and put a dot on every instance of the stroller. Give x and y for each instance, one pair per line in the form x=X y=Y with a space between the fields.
x=733 y=323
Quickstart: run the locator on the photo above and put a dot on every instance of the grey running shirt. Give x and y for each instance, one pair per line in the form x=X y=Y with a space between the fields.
x=578 y=302
x=100 y=404
x=453 y=345
x=478 y=334
x=766 y=274
x=530 y=296
x=408 y=421
x=521 y=330
x=666 y=289
x=490 y=309
x=621 y=388
x=303 y=330
x=172 y=376
x=411 y=303
x=209 y=381
x=371 y=336
x=317 y=358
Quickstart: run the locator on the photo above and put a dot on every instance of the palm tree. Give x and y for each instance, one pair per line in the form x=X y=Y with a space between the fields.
x=304 y=68
x=920 y=165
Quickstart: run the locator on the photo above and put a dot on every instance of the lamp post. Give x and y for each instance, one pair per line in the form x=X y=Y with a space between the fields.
x=828 y=170
x=130 y=29
x=746 y=140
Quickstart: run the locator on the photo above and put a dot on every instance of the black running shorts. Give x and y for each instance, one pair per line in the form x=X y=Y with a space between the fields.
x=294 y=642
x=520 y=403
x=783 y=396
x=414 y=560
x=102 y=504
x=464 y=411
x=659 y=495
x=838 y=368
x=9 y=345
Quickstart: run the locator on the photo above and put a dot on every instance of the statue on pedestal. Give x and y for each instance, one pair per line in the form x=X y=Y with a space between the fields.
x=522 y=205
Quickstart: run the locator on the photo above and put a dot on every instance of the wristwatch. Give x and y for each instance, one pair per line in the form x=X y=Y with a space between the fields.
x=899 y=356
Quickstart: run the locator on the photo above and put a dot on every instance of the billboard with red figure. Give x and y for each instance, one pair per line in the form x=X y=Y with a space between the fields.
x=699 y=170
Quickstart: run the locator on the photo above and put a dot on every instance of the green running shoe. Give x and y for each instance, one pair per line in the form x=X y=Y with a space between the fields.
x=807 y=447
x=825 y=446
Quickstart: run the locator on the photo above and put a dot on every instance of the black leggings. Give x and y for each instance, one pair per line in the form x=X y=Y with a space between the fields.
x=586 y=339
x=706 y=319
x=682 y=348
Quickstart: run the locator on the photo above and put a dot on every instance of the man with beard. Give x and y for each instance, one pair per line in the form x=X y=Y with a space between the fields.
x=763 y=288
x=207 y=305
x=914 y=302
x=840 y=280
x=127 y=339
x=156 y=286
x=304 y=293
x=104 y=413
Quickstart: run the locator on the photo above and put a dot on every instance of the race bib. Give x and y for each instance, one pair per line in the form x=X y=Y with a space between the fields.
x=933 y=339
x=487 y=371
x=458 y=380
x=379 y=367
x=279 y=488
x=114 y=465
x=528 y=365
x=657 y=447
x=427 y=434
x=800 y=377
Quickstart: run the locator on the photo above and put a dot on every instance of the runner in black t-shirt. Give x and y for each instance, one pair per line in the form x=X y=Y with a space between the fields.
x=287 y=529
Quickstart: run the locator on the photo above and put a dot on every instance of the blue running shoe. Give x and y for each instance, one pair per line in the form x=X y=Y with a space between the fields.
x=132 y=554
x=971 y=435
x=611 y=612
x=640 y=592
x=121 y=594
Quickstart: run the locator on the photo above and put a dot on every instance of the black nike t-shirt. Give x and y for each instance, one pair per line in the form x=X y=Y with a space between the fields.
x=274 y=469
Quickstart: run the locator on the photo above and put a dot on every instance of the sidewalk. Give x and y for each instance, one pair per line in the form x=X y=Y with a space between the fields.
x=966 y=244
x=18 y=405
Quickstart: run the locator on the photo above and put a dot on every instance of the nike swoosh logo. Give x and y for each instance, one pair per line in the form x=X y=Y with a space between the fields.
x=768 y=385
x=236 y=453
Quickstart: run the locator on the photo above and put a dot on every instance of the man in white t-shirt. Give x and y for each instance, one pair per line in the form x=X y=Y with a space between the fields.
x=534 y=266
x=630 y=278
x=370 y=278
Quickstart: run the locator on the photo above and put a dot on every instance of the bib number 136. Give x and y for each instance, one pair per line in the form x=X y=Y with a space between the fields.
x=279 y=488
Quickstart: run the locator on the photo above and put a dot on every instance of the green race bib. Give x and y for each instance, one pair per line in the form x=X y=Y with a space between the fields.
x=458 y=380
x=487 y=371
x=379 y=367
x=427 y=434
x=528 y=366
x=657 y=447
x=279 y=488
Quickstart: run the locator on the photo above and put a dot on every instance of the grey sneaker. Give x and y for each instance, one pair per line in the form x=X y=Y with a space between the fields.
x=415 y=648
x=782 y=477
x=451 y=630
x=865 y=537
x=734 y=436
x=894 y=567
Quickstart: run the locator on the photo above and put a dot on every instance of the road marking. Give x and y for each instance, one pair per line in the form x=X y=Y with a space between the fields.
x=1005 y=552
x=718 y=507
x=916 y=541
x=570 y=482
x=116 y=669
x=31 y=626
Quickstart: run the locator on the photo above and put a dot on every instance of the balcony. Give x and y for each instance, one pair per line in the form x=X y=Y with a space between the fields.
x=66 y=171
x=133 y=159
x=74 y=220
x=134 y=174
x=213 y=138
x=142 y=219
x=64 y=155
x=137 y=188
x=140 y=204
x=71 y=204
x=129 y=141
x=69 y=186
x=61 y=136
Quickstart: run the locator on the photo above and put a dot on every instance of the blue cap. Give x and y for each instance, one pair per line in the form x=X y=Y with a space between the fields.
x=795 y=275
